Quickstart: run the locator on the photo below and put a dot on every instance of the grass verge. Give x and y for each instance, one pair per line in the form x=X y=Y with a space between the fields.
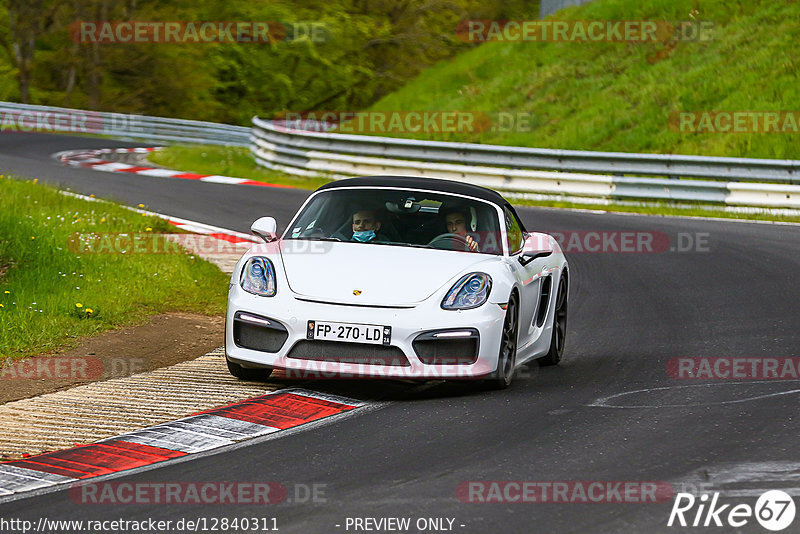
x=232 y=161
x=46 y=291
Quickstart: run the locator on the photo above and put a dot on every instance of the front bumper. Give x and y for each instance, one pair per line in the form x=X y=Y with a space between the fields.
x=291 y=351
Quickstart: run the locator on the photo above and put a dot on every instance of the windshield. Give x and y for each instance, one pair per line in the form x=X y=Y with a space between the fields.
x=402 y=218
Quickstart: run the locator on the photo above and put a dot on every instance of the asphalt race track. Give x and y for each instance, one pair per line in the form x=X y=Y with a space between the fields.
x=735 y=296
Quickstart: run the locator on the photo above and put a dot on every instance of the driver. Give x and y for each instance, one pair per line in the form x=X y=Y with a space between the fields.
x=366 y=226
x=457 y=224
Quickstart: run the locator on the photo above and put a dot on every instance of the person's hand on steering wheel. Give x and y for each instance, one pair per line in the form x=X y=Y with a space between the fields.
x=473 y=245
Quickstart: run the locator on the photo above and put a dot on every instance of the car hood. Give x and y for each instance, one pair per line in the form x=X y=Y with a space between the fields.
x=382 y=274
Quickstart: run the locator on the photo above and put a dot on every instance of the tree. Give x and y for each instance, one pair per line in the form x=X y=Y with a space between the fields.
x=27 y=21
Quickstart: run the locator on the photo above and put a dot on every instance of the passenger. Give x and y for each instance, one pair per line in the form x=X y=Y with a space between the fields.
x=366 y=226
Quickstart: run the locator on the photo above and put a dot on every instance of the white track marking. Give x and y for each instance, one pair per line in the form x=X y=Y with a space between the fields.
x=604 y=402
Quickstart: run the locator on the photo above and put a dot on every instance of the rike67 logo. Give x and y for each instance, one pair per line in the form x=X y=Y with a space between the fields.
x=774 y=510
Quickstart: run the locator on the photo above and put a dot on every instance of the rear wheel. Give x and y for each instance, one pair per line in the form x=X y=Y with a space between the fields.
x=507 y=359
x=559 y=327
x=246 y=373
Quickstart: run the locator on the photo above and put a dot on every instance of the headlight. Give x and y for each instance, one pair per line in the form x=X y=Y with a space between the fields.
x=469 y=292
x=258 y=277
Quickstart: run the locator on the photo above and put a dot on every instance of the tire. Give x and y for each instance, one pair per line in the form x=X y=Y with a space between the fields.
x=507 y=357
x=557 y=341
x=246 y=373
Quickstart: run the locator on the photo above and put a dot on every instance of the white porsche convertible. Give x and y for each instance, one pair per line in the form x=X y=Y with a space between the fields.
x=398 y=277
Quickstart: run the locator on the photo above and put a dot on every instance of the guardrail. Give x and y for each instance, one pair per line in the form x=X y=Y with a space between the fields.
x=49 y=119
x=607 y=175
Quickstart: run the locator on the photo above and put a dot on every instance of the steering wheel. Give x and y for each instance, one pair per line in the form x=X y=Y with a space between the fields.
x=446 y=239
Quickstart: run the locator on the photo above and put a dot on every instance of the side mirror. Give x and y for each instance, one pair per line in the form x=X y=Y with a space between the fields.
x=537 y=245
x=266 y=228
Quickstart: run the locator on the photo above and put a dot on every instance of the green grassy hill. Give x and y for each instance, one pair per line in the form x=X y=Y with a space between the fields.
x=618 y=96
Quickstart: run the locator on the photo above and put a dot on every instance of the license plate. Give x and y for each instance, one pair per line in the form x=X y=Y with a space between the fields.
x=349 y=332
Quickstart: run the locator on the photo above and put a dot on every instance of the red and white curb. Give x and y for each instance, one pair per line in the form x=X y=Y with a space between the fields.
x=94 y=159
x=205 y=431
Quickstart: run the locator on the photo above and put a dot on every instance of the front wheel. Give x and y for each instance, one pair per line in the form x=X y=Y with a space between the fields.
x=246 y=373
x=559 y=327
x=507 y=359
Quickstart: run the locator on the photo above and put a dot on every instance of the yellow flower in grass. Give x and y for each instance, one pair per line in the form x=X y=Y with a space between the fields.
x=32 y=237
x=89 y=311
x=148 y=229
x=6 y=292
x=103 y=219
x=141 y=205
x=78 y=305
x=1 y=306
x=35 y=180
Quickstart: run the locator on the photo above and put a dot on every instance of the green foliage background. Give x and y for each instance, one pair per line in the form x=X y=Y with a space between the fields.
x=372 y=48
x=618 y=96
